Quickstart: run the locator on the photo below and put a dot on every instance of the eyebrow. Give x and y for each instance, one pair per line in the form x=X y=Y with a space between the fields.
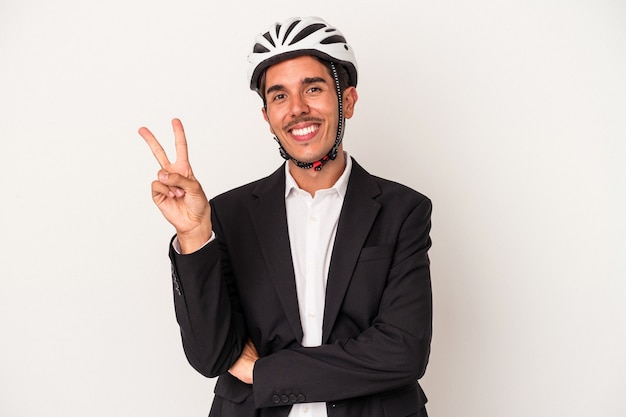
x=306 y=81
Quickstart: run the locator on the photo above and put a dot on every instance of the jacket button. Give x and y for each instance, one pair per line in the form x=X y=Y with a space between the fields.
x=300 y=398
x=292 y=398
x=284 y=399
x=275 y=399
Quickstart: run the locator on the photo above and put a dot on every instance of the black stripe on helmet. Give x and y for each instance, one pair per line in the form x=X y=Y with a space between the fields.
x=267 y=36
x=333 y=39
x=307 y=31
x=289 y=29
x=260 y=49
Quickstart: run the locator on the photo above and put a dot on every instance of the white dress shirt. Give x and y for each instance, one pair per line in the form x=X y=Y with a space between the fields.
x=312 y=222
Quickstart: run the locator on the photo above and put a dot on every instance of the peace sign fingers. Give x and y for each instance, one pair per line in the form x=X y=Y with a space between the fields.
x=181 y=165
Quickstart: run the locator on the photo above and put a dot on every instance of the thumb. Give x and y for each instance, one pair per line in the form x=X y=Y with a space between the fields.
x=172 y=179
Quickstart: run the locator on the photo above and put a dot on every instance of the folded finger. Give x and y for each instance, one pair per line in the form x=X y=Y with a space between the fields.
x=161 y=191
x=175 y=180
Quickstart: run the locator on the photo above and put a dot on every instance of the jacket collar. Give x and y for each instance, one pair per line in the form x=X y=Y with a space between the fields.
x=355 y=221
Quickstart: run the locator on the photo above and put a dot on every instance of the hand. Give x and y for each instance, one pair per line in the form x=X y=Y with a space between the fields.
x=178 y=194
x=242 y=369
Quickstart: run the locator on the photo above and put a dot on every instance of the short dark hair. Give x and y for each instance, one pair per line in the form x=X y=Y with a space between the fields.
x=342 y=76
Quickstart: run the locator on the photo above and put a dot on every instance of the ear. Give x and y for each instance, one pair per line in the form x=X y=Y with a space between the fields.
x=350 y=97
x=267 y=119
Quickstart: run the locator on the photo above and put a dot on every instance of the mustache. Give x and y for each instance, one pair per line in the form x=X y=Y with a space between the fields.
x=302 y=120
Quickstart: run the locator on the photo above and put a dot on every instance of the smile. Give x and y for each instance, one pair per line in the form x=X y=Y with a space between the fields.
x=305 y=130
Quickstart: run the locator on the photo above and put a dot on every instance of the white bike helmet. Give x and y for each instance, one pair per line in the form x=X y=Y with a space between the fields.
x=300 y=36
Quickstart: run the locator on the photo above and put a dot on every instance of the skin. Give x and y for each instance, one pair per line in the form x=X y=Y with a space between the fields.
x=302 y=112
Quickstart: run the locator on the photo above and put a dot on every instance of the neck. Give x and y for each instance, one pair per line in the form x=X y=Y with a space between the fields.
x=311 y=180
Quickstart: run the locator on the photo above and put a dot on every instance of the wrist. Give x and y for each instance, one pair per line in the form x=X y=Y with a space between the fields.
x=194 y=240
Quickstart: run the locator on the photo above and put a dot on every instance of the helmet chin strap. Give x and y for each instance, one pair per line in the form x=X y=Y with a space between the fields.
x=317 y=165
x=332 y=153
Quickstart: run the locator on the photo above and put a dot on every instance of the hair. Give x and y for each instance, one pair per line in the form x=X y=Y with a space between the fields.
x=342 y=75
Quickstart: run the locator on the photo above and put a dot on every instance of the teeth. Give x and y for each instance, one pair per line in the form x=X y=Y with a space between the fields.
x=304 y=131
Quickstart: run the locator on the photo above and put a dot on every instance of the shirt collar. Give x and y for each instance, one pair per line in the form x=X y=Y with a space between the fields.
x=340 y=186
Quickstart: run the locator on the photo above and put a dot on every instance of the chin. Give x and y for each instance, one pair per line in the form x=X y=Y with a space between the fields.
x=309 y=158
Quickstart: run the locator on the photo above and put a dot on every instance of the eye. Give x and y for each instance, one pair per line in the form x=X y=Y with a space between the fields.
x=314 y=90
x=279 y=96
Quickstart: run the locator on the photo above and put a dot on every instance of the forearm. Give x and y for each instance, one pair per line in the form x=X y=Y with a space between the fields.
x=212 y=327
x=337 y=371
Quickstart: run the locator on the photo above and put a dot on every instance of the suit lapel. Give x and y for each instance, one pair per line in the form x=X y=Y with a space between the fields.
x=357 y=216
x=270 y=222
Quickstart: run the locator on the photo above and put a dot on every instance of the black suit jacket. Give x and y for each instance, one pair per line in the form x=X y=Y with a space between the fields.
x=378 y=311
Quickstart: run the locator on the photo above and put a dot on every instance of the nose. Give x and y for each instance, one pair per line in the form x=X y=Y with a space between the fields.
x=299 y=105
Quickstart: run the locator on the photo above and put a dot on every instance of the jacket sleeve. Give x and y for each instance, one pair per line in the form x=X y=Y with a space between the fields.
x=391 y=353
x=207 y=309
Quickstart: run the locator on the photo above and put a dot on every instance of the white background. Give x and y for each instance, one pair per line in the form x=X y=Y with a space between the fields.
x=509 y=115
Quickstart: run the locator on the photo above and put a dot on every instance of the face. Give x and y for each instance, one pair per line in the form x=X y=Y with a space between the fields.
x=302 y=108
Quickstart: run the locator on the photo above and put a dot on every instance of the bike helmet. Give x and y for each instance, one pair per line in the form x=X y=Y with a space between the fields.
x=295 y=37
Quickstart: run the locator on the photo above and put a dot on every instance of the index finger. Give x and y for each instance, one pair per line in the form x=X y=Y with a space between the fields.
x=155 y=147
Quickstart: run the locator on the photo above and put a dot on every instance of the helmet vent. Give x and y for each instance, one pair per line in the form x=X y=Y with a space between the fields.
x=267 y=36
x=289 y=29
x=333 y=39
x=306 y=32
x=260 y=49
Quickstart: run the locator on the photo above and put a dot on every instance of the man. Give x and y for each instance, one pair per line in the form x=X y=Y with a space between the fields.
x=307 y=292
